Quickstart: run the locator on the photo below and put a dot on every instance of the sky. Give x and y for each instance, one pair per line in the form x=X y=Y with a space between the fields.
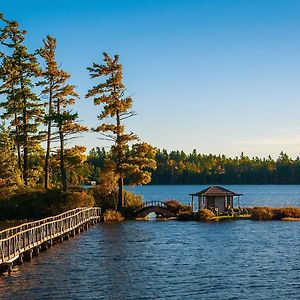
x=218 y=76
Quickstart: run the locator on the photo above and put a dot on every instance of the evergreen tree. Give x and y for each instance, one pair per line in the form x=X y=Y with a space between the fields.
x=9 y=174
x=62 y=97
x=18 y=70
x=51 y=79
x=111 y=94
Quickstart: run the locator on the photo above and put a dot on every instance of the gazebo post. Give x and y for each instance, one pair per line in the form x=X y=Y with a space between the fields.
x=239 y=204
x=192 y=203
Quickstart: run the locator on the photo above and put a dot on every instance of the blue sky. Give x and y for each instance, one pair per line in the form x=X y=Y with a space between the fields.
x=219 y=76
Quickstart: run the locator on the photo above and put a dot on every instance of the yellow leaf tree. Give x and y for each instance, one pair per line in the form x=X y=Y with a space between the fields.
x=111 y=95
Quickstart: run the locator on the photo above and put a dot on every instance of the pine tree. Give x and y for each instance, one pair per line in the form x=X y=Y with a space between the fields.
x=140 y=162
x=61 y=96
x=19 y=69
x=111 y=94
x=51 y=78
x=12 y=107
x=9 y=174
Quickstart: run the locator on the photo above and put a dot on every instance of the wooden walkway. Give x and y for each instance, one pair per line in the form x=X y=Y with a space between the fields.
x=21 y=242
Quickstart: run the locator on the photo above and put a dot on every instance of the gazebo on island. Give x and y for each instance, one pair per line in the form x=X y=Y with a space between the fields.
x=216 y=198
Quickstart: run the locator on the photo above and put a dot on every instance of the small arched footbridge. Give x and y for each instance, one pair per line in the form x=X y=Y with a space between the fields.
x=158 y=207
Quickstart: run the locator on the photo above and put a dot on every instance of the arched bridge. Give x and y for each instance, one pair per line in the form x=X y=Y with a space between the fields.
x=158 y=207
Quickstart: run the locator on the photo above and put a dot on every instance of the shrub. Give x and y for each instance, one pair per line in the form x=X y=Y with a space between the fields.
x=205 y=215
x=178 y=208
x=286 y=212
x=270 y=213
x=6 y=192
x=110 y=201
x=37 y=203
x=131 y=199
x=104 y=200
x=112 y=216
x=262 y=213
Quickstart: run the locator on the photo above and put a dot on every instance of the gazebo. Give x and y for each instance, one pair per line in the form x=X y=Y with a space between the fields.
x=216 y=198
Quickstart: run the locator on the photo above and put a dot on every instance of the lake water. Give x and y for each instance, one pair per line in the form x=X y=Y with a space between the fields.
x=268 y=195
x=170 y=259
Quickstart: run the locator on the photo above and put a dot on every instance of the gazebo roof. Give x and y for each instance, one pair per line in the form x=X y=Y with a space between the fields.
x=215 y=191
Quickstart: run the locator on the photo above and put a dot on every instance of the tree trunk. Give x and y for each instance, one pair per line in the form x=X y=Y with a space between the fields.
x=18 y=143
x=46 y=168
x=17 y=132
x=62 y=158
x=48 y=141
x=25 y=135
x=25 y=148
x=119 y=162
x=121 y=193
x=62 y=162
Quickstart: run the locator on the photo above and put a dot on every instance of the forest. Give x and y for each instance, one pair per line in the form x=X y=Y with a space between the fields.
x=178 y=167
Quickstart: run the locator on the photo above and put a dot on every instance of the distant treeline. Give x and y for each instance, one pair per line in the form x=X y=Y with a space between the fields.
x=177 y=167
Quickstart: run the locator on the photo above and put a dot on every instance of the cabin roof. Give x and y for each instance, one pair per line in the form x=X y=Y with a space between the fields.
x=215 y=191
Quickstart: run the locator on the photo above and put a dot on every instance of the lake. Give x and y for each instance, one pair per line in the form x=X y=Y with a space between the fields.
x=171 y=259
x=263 y=195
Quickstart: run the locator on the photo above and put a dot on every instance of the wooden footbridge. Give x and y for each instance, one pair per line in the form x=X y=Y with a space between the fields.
x=158 y=207
x=24 y=241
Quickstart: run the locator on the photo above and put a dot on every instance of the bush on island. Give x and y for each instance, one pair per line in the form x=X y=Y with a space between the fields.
x=271 y=213
x=112 y=216
x=178 y=208
x=286 y=212
x=260 y=213
x=205 y=215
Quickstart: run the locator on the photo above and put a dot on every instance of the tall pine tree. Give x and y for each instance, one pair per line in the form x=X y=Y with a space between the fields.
x=61 y=97
x=50 y=83
x=111 y=95
x=18 y=71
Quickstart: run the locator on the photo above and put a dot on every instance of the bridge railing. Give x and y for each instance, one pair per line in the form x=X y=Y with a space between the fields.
x=16 y=240
x=14 y=230
x=152 y=204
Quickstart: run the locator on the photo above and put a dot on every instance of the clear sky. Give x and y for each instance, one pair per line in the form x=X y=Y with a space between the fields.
x=219 y=76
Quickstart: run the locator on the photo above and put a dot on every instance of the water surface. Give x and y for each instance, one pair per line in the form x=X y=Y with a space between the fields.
x=172 y=259
x=268 y=195
x=166 y=260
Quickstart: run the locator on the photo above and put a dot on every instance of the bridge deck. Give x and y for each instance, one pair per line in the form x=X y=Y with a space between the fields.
x=158 y=207
x=16 y=241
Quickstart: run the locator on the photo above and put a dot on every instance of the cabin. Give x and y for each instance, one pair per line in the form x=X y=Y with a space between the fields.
x=217 y=199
